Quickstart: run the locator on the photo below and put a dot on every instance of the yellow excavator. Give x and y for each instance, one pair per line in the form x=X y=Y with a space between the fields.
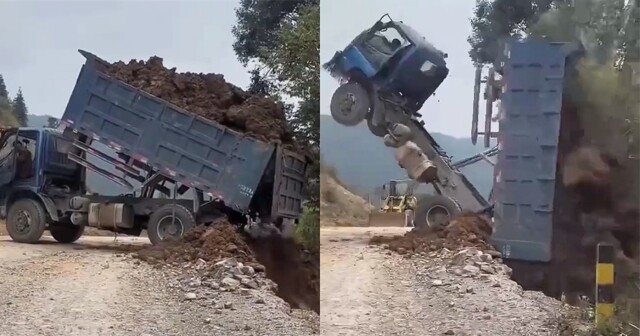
x=397 y=198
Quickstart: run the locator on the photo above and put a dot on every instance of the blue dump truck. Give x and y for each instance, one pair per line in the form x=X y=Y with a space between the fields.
x=181 y=169
x=536 y=123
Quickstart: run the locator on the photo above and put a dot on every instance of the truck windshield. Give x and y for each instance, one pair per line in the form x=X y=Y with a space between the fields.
x=387 y=40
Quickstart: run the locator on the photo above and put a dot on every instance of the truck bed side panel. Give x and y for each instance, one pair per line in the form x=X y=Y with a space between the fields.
x=192 y=150
x=528 y=139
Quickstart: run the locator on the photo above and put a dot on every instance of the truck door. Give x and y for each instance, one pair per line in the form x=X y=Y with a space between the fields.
x=7 y=156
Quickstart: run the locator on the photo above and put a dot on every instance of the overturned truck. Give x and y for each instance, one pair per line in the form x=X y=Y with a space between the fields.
x=538 y=214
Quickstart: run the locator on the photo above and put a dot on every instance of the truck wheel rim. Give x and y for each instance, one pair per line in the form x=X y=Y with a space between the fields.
x=347 y=103
x=170 y=226
x=437 y=216
x=23 y=221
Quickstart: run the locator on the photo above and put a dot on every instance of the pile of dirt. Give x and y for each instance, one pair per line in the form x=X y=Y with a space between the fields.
x=338 y=205
x=468 y=230
x=213 y=243
x=208 y=96
x=295 y=270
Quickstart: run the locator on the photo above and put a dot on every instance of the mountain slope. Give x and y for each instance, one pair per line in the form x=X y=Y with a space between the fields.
x=363 y=162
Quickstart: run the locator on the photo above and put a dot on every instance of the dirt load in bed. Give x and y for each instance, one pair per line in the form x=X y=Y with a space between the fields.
x=209 y=96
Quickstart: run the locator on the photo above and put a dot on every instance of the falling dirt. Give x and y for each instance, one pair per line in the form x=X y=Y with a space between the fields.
x=468 y=230
x=591 y=206
x=208 y=96
x=295 y=270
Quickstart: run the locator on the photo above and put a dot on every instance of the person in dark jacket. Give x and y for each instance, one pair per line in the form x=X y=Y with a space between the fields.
x=24 y=160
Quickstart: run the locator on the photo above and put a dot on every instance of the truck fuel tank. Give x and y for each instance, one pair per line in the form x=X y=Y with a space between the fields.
x=110 y=216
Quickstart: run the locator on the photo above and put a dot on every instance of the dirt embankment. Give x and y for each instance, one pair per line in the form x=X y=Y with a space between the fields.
x=338 y=205
x=208 y=96
x=295 y=270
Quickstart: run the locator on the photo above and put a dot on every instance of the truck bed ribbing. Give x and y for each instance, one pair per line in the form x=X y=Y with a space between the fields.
x=156 y=136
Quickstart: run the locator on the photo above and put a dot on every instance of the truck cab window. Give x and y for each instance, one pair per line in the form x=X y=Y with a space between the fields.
x=387 y=41
x=25 y=155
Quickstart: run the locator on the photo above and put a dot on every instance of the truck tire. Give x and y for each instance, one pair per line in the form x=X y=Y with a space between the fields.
x=26 y=221
x=162 y=225
x=350 y=104
x=435 y=211
x=66 y=233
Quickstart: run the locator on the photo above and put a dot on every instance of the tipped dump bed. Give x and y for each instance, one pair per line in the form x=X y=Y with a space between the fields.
x=192 y=150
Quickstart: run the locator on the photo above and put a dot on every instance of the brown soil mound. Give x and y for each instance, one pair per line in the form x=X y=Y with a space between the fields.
x=296 y=271
x=209 y=96
x=214 y=243
x=469 y=230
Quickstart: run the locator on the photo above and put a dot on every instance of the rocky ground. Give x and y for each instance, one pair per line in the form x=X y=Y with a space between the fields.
x=372 y=290
x=97 y=287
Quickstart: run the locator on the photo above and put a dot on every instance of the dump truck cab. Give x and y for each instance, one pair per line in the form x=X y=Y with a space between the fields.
x=33 y=158
x=391 y=61
x=36 y=179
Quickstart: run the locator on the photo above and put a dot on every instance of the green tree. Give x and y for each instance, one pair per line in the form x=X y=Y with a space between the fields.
x=6 y=117
x=19 y=110
x=279 y=42
x=3 y=89
x=258 y=26
x=496 y=19
x=604 y=27
x=52 y=122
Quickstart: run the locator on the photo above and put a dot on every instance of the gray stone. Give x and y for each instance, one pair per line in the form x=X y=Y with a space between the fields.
x=230 y=282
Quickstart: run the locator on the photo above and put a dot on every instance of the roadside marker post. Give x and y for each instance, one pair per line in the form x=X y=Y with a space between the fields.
x=605 y=276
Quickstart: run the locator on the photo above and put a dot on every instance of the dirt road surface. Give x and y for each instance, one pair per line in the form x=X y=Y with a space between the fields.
x=92 y=288
x=370 y=291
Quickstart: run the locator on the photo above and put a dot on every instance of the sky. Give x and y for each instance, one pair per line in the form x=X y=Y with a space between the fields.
x=40 y=39
x=444 y=23
x=39 y=42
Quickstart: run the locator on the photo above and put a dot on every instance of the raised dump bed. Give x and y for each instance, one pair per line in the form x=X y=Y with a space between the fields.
x=149 y=133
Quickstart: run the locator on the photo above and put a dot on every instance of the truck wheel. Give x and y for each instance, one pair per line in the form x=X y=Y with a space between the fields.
x=26 y=221
x=350 y=104
x=164 y=226
x=66 y=233
x=435 y=211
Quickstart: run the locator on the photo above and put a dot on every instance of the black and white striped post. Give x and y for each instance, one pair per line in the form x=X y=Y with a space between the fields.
x=605 y=275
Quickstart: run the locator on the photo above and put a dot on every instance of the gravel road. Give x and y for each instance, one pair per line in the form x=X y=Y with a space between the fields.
x=371 y=291
x=93 y=288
